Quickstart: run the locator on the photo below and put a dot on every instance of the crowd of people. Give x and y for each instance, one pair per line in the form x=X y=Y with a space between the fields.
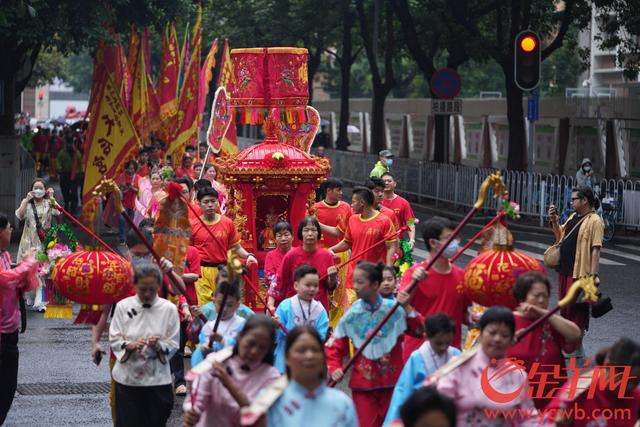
x=413 y=371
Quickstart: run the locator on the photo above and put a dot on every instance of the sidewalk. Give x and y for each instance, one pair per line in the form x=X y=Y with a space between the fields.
x=524 y=224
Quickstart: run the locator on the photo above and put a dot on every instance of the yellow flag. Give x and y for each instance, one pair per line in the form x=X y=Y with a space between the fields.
x=111 y=138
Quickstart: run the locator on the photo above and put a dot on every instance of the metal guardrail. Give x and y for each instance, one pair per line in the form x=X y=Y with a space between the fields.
x=458 y=185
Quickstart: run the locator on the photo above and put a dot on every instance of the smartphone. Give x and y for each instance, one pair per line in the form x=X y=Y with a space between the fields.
x=98 y=358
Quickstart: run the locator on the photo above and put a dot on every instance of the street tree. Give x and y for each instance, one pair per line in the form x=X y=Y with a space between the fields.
x=28 y=27
x=311 y=24
x=557 y=23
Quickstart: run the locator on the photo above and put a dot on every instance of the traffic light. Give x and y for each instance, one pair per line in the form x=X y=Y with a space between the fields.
x=527 y=60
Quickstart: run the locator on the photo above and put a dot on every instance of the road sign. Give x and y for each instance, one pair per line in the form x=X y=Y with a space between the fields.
x=446 y=106
x=446 y=83
x=533 y=103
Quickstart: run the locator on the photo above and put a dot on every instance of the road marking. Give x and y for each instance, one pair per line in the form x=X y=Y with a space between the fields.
x=630 y=247
x=604 y=261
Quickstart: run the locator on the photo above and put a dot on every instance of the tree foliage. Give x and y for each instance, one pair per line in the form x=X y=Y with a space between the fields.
x=29 y=27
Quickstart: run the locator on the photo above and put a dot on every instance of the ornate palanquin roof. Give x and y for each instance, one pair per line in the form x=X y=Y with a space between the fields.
x=273 y=158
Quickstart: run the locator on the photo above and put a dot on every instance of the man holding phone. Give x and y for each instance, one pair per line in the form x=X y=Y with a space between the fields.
x=581 y=241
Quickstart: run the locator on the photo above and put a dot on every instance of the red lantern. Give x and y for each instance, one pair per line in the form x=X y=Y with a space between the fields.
x=92 y=277
x=489 y=277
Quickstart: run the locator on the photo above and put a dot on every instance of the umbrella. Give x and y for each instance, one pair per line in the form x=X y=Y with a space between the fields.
x=352 y=129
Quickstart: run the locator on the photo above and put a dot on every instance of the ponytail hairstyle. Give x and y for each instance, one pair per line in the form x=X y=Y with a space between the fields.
x=373 y=271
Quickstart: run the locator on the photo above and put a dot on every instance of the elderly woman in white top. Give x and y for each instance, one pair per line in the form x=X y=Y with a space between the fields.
x=37 y=213
x=144 y=334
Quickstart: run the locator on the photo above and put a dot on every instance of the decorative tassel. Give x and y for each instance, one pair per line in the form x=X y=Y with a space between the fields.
x=58 y=312
x=88 y=315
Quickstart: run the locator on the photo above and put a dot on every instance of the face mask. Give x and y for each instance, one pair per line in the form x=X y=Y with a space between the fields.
x=139 y=260
x=451 y=249
x=587 y=168
x=389 y=162
x=38 y=193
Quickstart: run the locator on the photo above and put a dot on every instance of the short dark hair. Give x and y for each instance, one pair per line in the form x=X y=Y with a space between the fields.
x=373 y=271
x=202 y=183
x=585 y=192
x=424 y=400
x=333 y=182
x=387 y=174
x=229 y=288
x=282 y=226
x=197 y=165
x=42 y=180
x=147 y=270
x=439 y=323
x=184 y=180
x=303 y=270
x=365 y=194
x=624 y=352
x=309 y=220
x=373 y=182
x=207 y=191
x=131 y=162
x=433 y=227
x=259 y=321
x=525 y=282
x=4 y=221
x=203 y=144
x=498 y=314
x=132 y=238
x=390 y=269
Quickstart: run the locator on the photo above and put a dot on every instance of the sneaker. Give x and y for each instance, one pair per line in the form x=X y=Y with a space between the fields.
x=181 y=390
x=187 y=351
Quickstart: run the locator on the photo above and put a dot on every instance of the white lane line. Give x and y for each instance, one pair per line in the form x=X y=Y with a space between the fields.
x=604 y=261
x=630 y=247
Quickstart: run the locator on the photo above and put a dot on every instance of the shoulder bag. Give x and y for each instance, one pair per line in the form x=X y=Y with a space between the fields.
x=552 y=254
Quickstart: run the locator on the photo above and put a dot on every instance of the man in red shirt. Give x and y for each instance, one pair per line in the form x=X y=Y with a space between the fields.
x=401 y=207
x=213 y=252
x=441 y=290
x=129 y=192
x=365 y=228
x=334 y=213
x=186 y=169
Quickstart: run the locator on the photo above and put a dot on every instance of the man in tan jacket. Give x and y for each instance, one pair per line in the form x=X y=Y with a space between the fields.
x=579 y=252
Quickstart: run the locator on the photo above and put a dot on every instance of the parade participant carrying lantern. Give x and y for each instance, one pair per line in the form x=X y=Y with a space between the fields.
x=489 y=277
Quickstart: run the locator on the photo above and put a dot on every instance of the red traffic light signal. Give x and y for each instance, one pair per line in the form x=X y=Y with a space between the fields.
x=526 y=60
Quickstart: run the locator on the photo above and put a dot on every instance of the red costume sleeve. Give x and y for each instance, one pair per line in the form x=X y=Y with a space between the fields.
x=415 y=325
x=336 y=349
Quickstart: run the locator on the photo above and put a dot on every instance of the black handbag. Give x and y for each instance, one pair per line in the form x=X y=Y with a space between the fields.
x=602 y=307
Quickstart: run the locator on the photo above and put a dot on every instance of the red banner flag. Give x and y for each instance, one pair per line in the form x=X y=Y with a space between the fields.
x=167 y=86
x=188 y=103
x=206 y=74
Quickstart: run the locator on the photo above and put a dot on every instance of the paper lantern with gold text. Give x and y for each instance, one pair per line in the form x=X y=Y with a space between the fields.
x=93 y=277
x=489 y=277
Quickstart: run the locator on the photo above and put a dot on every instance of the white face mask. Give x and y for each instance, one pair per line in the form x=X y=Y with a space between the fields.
x=389 y=162
x=586 y=168
x=38 y=193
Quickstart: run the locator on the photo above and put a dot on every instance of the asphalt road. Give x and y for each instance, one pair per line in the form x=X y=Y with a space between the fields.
x=56 y=351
